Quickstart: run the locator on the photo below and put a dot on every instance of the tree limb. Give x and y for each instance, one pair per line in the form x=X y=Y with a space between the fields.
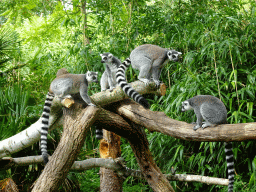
x=115 y=165
x=76 y=123
x=139 y=143
x=106 y=97
x=30 y=135
x=159 y=122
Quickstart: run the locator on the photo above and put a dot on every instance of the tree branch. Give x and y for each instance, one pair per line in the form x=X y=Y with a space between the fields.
x=139 y=143
x=159 y=122
x=76 y=123
x=116 y=165
x=107 y=97
x=30 y=135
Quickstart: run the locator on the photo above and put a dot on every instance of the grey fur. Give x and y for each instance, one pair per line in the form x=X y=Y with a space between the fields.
x=206 y=107
x=108 y=79
x=62 y=86
x=214 y=112
x=149 y=60
x=126 y=87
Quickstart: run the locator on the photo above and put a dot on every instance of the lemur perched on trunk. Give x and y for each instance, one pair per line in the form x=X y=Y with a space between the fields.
x=149 y=60
x=62 y=86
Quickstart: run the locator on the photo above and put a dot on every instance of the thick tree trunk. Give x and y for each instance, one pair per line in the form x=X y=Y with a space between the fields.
x=139 y=143
x=110 y=148
x=76 y=124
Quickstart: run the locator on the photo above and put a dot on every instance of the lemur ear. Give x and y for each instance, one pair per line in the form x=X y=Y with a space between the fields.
x=179 y=53
x=101 y=55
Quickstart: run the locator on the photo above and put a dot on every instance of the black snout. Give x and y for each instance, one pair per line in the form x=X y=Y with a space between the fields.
x=102 y=61
x=95 y=79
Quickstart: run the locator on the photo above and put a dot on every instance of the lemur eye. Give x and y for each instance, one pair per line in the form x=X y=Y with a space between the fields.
x=105 y=58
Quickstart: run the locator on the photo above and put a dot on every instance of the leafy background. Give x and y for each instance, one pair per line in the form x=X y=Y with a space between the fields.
x=218 y=42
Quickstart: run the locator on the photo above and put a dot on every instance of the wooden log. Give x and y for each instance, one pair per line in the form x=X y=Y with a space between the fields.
x=76 y=123
x=114 y=165
x=139 y=143
x=110 y=148
x=107 y=97
x=158 y=121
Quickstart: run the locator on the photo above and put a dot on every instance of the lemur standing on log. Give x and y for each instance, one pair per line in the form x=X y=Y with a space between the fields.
x=108 y=79
x=62 y=86
x=214 y=112
x=149 y=60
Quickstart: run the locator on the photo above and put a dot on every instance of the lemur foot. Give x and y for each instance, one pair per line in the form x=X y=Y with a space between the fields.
x=146 y=81
x=157 y=82
x=196 y=127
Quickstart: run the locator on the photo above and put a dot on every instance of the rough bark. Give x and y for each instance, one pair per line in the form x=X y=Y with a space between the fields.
x=110 y=148
x=76 y=124
x=106 y=97
x=150 y=170
x=158 y=121
x=139 y=143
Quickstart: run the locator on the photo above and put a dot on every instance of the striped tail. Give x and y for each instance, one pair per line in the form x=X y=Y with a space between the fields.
x=99 y=133
x=230 y=165
x=120 y=77
x=45 y=125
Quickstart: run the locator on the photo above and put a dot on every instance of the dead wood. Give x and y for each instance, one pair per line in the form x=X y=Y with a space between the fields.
x=117 y=165
x=110 y=148
x=139 y=143
x=158 y=121
x=76 y=123
x=107 y=97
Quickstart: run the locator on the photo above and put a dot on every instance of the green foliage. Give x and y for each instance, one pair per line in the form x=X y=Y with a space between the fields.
x=14 y=104
x=8 y=40
x=218 y=44
x=89 y=180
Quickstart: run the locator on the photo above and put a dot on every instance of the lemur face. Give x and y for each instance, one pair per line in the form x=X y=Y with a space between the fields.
x=185 y=106
x=92 y=77
x=106 y=57
x=173 y=55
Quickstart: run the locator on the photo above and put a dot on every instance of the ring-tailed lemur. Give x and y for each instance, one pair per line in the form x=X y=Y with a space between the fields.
x=214 y=112
x=62 y=86
x=108 y=79
x=149 y=60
